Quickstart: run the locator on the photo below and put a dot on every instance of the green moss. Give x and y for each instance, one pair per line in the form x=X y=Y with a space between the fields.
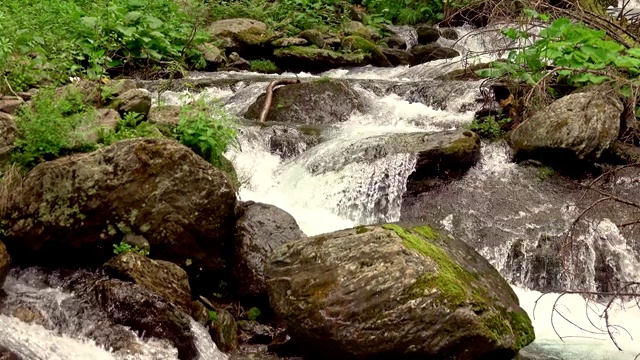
x=522 y=328
x=226 y=166
x=321 y=55
x=263 y=66
x=362 y=229
x=358 y=43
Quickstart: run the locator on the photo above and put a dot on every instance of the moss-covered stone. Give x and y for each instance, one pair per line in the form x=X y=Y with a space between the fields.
x=315 y=59
x=359 y=44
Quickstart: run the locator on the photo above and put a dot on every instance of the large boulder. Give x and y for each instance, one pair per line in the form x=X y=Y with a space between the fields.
x=72 y=210
x=389 y=292
x=304 y=58
x=357 y=43
x=240 y=35
x=5 y=263
x=316 y=102
x=432 y=52
x=143 y=311
x=398 y=57
x=261 y=230
x=577 y=126
x=160 y=277
x=7 y=136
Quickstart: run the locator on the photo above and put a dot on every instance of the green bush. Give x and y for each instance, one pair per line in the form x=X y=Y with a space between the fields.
x=130 y=127
x=46 y=127
x=490 y=127
x=407 y=11
x=207 y=129
x=124 y=247
x=49 y=41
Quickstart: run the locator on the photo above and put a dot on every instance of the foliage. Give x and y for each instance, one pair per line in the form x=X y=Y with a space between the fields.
x=545 y=172
x=213 y=316
x=46 y=127
x=48 y=41
x=253 y=313
x=263 y=66
x=407 y=11
x=490 y=127
x=207 y=129
x=130 y=127
x=124 y=247
x=569 y=53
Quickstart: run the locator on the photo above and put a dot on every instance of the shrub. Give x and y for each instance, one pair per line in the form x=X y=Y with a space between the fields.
x=124 y=247
x=207 y=129
x=130 y=127
x=263 y=66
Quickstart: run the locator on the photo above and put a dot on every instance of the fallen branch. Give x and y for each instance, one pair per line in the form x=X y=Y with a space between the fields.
x=269 y=98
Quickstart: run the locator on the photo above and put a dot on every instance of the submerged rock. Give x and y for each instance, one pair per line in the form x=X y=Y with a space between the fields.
x=579 y=126
x=161 y=277
x=315 y=102
x=72 y=210
x=426 y=53
x=261 y=230
x=5 y=263
x=385 y=291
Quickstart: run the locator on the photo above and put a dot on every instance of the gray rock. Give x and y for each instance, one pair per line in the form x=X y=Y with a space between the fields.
x=289 y=41
x=10 y=104
x=427 y=34
x=313 y=36
x=135 y=100
x=580 y=126
x=359 y=29
x=212 y=55
x=165 y=115
x=261 y=230
x=398 y=57
x=239 y=34
x=449 y=33
x=394 y=292
x=5 y=263
x=225 y=331
x=317 y=102
x=303 y=58
x=72 y=210
x=137 y=241
x=160 y=277
x=426 y=53
x=395 y=42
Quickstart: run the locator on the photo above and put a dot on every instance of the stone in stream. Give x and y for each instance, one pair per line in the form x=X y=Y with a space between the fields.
x=5 y=263
x=431 y=52
x=71 y=211
x=577 y=127
x=260 y=230
x=315 y=102
x=305 y=58
x=396 y=293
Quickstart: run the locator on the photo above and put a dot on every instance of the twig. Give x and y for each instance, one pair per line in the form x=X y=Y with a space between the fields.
x=269 y=97
x=9 y=86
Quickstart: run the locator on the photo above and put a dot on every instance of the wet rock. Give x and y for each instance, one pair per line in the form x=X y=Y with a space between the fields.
x=302 y=58
x=240 y=35
x=72 y=210
x=410 y=293
x=213 y=56
x=137 y=241
x=10 y=104
x=316 y=102
x=579 y=126
x=313 y=36
x=160 y=277
x=356 y=43
x=7 y=135
x=427 y=34
x=260 y=230
x=5 y=263
x=289 y=41
x=29 y=315
x=134 y=306
x=426 y=53
x=449 y=33
x=359 y=29
x=224 y=331
x=395 y=42
x=398 y=57
x=288 y=142
x=252 y=332
x=135 y=100
x=200 y=312
x=6 y=354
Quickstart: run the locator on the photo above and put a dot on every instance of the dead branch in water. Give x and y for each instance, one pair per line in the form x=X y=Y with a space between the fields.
x=269 y=98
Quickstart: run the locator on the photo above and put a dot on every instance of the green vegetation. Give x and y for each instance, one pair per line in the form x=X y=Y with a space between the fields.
x=490 y=127
x=207 y=129
x=130 y=127
x=47 y=127
x=253 y=313
x=213 y=316
x=123 y=247
x=48 y=41
x=263 y=66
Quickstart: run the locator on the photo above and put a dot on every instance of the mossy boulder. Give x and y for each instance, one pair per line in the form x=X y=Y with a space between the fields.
x=71 y=211
x=303 y=58
x=316 y=102
x=213 y=56
x=313 y=36
x=359 y=29
x=360 y=44
x=134 y=101
x=240 y=35
x=579 y=126
x=392 y=292
x=427 y=53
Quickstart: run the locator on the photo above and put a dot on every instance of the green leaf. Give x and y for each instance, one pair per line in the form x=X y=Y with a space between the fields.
x=625 y=91
x=89 y=21
x=490 y=73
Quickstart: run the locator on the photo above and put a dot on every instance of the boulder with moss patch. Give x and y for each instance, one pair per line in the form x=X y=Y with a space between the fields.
x=357 y=43
x=359 y=29
x=391 y=292
x=240 y=35
x=71 y=211
x=316 y=102
x=302 y=58
x=431 y=52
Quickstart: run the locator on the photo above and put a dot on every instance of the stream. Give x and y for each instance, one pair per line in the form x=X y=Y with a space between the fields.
x=495 y=205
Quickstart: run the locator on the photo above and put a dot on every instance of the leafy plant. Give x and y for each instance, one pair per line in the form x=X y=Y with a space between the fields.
x=46 y=127
x=124 y=247
x=213 y=316
x=263 y=66
x=129 y=127
x=207 y=129
x=489 y=127
x=253 y=313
